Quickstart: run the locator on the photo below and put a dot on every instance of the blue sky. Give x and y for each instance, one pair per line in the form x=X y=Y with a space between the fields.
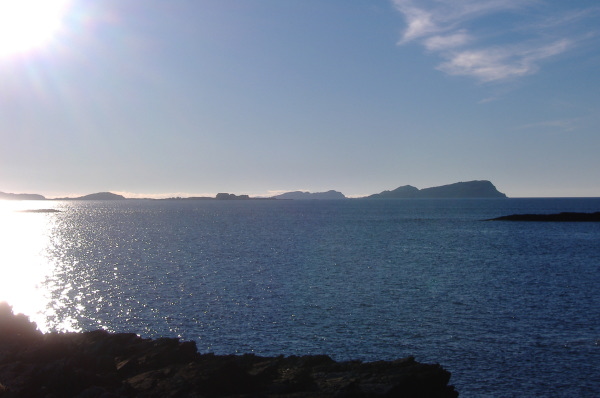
x=194 y=97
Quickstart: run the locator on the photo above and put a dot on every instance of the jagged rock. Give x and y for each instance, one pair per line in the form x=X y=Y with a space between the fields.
x=15 y=326
x=99 y=364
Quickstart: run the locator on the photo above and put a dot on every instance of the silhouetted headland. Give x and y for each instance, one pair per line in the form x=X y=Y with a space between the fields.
x=559 y=217
x=20 y=196
x=103 y=364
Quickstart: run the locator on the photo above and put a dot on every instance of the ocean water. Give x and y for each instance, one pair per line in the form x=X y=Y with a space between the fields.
x=512 y=309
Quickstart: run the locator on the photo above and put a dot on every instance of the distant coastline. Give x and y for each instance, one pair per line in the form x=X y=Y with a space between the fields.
x=468 y=189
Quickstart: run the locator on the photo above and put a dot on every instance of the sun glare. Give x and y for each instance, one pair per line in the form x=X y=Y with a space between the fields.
x=23 y=265
x=29 y=24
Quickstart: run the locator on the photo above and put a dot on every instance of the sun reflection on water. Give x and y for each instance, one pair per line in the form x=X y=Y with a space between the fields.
x=25 y=233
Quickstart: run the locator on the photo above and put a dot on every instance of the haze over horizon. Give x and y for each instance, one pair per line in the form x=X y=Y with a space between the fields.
x=150 y=98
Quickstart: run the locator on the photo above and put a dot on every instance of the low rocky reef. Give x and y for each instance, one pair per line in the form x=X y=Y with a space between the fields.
x=100 y=364
x=40 y=211
x=559 y=217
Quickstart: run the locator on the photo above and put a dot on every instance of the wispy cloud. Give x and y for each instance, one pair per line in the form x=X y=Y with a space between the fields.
x=565 y=125
x=492 y=64
x=441 y=42
x=448 y=28
x=425 y=18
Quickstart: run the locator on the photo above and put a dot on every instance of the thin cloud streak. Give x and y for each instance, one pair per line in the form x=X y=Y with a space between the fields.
x=446 y=15
x=565 y=125
x=439 y=43
x=567 y=19
x=440 y=27
x=495 y=64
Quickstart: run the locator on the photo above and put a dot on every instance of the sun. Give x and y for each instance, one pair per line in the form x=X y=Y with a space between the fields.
x=29 y=24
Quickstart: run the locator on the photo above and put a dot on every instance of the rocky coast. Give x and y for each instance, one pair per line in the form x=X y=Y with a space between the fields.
x=99 y=364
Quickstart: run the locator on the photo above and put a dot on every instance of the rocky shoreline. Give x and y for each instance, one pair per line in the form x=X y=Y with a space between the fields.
x=100 y=364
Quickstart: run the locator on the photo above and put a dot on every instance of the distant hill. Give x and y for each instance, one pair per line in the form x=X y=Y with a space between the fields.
x=405 y=191
x=97 y=196
x=299 y=195
x=469 y=189
x=20 y=196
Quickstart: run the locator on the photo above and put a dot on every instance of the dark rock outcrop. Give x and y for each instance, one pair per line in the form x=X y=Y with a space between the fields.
x=469 y=189
x=299 y=195
x=560 y=217
x=102 y=364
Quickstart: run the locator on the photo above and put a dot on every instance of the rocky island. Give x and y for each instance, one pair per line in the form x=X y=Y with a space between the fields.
x=97 y=196
x=469 y=189
x=99 y=364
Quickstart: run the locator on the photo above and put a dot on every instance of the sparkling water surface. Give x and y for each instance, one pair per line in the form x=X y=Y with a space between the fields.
x=512 y=309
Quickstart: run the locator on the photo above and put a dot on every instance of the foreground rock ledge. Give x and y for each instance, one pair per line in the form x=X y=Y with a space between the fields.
x=102 y=364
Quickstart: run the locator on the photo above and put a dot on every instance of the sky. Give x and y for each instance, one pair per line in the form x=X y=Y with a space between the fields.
x=156 y=98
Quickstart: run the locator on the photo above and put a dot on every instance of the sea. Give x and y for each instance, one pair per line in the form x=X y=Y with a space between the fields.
x=511 y=309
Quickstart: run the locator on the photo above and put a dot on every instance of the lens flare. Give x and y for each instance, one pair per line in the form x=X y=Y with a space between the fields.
x=29 y=24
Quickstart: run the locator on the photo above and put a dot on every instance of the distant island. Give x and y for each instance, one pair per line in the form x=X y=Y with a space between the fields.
x=97 y=196
x=469 y=189
x=230 y=196
x=299 y=195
